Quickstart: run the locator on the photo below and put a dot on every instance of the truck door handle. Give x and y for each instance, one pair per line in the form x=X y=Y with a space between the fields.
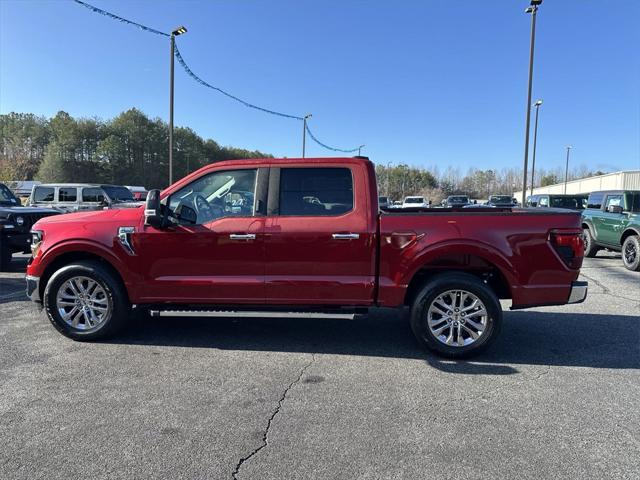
x=346 y=236
x=242 y=236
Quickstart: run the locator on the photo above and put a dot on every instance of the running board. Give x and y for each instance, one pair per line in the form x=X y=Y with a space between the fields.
x=249 y=314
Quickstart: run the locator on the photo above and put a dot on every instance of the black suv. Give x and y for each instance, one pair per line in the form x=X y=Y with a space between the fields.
x=15 y=225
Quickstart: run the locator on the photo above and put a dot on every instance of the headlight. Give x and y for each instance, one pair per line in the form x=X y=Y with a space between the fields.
x=19 y=221
x=36 y=241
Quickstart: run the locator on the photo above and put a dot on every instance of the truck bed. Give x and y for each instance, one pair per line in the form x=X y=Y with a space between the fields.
x=511 y=246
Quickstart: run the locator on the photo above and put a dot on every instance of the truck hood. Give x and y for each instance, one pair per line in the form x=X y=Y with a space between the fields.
x=5 y=210
x=127 y=215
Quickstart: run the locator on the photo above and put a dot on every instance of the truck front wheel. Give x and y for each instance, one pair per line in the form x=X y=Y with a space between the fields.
x=85 y=301
x=631 y=253
x=456 y=315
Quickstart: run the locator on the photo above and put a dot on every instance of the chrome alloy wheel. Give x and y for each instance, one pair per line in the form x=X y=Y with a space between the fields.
x=83 y=303
x=457 y=318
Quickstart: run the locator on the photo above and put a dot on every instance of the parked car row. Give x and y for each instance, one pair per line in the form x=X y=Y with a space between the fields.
x=53 y=199
x=15 y=225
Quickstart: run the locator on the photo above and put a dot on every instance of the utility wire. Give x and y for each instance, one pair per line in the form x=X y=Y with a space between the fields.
x=202 y=82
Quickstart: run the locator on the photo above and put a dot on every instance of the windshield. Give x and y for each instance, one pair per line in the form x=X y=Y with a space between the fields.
x=458 y=199
x=501 y=199
x=119 y=194
x=414 y=200
x=6 y=196
x=575 y=203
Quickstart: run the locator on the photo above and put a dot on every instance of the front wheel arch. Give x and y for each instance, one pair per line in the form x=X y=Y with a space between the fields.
x=68 y=258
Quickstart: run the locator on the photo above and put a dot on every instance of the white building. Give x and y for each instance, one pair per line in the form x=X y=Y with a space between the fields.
x=625 y=180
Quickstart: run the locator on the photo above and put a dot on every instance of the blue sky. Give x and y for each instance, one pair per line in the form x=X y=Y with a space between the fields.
x=421 y=82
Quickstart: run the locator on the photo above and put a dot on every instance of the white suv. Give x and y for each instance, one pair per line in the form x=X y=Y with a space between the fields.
x=415 y=202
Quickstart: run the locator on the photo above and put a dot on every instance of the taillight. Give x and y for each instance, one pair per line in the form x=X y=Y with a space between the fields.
x=569 y=245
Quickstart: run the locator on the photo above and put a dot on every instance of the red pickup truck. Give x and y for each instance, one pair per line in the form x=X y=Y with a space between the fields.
x=302 y=237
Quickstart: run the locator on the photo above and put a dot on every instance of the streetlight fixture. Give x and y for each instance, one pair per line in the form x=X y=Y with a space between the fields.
x=178 y=31
x=360 y=148
x=535 y=138
x=533 y=10
x=304 y=132
x=566 y=169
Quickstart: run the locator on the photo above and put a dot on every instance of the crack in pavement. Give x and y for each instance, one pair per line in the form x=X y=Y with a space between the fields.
x=605 y=289
x=265 y=434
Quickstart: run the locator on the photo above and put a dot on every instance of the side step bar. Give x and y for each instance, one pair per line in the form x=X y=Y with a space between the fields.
x=249 y=314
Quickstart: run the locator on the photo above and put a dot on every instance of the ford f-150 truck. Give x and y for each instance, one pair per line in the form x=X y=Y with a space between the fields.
x=302 y=237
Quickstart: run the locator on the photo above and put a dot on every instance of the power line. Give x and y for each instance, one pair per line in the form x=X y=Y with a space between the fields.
x=202 y=82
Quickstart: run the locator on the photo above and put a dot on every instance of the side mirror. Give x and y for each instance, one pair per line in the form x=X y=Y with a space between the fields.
x=152 y=210
x=614 y=209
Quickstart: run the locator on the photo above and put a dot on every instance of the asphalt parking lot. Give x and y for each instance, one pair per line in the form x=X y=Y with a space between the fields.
x=558 y=396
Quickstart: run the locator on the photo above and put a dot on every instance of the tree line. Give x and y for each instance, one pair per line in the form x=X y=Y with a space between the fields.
x=434 y=183
x=130 y=149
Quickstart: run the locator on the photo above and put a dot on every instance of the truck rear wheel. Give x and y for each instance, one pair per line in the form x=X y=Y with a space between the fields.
x=85 y=301
x=456 y=315
x=590 y=247
x=631 y=253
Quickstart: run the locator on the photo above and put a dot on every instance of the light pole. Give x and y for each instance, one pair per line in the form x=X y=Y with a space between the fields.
x=532 y=9
x=178 y=31
x=566 y=168
x=388 y=175
x=304 y=132
x=359 y=148
x=535 y=138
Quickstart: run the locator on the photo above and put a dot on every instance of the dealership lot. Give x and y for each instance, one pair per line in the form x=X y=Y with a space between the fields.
x=558 y=396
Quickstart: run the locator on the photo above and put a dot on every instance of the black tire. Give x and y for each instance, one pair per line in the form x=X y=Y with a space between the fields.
x=590 y=247
x=5 y=255
x=115 y=294
x=631 y=253
x=441 y=284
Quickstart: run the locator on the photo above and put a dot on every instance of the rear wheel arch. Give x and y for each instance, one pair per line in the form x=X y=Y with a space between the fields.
x=490 y=274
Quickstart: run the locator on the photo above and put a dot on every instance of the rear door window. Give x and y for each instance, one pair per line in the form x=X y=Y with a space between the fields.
x=92 y=195
x=67 y=194
x=316 y=191
x=43 y=194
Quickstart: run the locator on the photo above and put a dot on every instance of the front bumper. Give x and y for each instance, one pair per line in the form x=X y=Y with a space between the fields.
x=18 y=241
x=33 y=288
x=578 y=292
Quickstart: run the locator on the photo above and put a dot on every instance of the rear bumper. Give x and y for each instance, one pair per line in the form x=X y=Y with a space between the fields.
x=578 y=292
x=33 y=288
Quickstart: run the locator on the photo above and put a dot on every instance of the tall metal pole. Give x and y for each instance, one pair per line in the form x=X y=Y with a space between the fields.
x=173 y=44
x=388 y=175
x=304 y=132
x=566 y=169
x=535 y=140
x=533 y=9
x=359 y=148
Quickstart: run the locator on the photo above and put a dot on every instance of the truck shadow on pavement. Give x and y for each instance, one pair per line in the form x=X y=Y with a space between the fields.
x=531 y=338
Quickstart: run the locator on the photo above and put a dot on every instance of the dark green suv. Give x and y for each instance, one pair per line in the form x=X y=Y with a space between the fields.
x=612 y=221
